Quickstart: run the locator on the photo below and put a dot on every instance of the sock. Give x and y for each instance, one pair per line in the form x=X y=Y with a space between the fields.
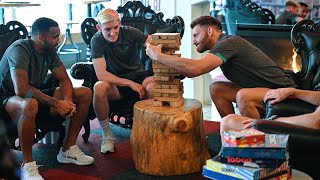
x=106 y=131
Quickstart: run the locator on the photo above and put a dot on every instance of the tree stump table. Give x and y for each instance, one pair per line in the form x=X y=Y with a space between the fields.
x=168 y=140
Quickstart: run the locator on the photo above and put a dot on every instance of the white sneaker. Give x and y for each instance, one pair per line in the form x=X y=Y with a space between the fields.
x=107 y=144
x=29 y=171
x=74 y=155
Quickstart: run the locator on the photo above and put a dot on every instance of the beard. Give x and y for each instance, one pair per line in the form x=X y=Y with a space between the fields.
x=48 y=46
x=200 y=49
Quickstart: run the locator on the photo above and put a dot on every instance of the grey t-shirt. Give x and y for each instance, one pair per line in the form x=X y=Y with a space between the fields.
x=286 y=18
x=22 y=55
x=247 y=66
x=122 y=57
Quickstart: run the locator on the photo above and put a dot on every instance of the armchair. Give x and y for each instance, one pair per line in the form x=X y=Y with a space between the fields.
x=9 y=33
x=304 y=143
x=134 y=14
x=245 y=11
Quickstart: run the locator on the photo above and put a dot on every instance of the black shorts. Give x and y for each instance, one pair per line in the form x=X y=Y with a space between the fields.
x=127 y=92
x=43 y=111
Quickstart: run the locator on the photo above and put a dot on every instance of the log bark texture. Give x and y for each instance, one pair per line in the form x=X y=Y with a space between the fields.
x=168 y=140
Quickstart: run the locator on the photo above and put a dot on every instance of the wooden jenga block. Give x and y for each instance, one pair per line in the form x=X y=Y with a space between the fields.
x=165 y=41
x=167 y=45
x=168 y=99
x=168 y=86
x=173 y=71
x=167 y=90
x=175 y=86
x=171 y=82
x=162 y=70
x=165 y=86
x=177 y=104
x=165 y=70
x=157 y=36
x=158 y=103
x=157 y=86
x=162 y=78
x=171 y=95
x=157 y=94
x=167 y=74
x=165 y=95
x=168 y=103
x=176 y=95
x=158 y=65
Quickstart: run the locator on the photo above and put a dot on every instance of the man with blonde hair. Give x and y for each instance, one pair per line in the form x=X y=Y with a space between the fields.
x=290 y=15
x=120 y=73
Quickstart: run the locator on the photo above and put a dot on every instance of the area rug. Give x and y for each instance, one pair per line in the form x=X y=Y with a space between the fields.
x=117 y=165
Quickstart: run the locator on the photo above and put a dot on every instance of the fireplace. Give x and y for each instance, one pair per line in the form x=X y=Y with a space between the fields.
x=274 y=40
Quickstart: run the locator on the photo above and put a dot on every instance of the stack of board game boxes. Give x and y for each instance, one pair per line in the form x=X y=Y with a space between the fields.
x=251 y=155
x=168 y=90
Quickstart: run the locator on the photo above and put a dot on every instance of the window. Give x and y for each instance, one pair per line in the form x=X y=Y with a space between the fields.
x=56 y=10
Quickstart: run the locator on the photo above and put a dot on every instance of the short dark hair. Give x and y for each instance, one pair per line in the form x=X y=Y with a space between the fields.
x=42 y=25
x=303 y=4
x=206 y=20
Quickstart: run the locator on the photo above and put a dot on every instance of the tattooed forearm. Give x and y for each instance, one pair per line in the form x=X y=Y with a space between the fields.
x=43 y=98
x=25 y=90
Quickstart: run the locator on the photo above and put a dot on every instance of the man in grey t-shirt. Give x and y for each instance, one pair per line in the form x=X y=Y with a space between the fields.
x=114 y=51
x=23 y=68
x=251 y=72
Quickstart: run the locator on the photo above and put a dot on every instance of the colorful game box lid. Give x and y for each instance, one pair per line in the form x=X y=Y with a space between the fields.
x=244 y=137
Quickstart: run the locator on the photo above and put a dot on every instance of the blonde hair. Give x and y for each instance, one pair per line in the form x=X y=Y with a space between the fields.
x=107 y=15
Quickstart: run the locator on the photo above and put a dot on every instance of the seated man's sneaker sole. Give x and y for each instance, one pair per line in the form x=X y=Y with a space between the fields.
x=107 y=145
x=72 y=160
x=74 y=155
x=107 y=152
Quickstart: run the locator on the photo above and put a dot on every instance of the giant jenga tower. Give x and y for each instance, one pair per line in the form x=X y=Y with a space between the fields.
x=168 y=137
x=168 y=90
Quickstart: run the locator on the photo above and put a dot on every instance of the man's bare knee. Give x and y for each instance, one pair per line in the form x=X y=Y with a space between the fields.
x=29 y=108
x=243 y=96
x=101 y=88
x=82 y=94
x=228 y=119
x=217 y=91
x=149 y=89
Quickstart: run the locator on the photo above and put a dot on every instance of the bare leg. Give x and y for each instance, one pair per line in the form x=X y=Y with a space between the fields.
x=24 y=111
x=311 y=120
x=82 y=97
x=232 y=122
x=223 y=93
x=103 y=92
x=249 y=101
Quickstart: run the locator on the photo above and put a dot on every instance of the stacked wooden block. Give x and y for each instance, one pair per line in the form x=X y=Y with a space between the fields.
x=168 y=90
